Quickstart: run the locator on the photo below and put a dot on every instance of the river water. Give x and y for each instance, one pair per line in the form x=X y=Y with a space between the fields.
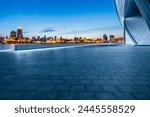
x=6 y=46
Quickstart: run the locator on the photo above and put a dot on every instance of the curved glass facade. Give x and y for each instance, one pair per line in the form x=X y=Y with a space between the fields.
x=135 y=17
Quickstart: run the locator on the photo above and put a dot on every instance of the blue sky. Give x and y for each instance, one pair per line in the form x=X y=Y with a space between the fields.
x=67 y=18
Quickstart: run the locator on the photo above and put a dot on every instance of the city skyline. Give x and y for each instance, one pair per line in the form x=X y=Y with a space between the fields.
x=63 y=18
x=17 y=37
x=42 y=36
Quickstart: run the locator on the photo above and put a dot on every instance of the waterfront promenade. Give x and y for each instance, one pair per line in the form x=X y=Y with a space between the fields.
x=86 y=73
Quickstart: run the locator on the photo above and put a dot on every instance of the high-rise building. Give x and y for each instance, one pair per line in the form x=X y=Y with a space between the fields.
x=33 y=38
x=13 y=35
x=105 y=38
x=38 y=37
x=61 y=38
x=19 y=33
x=55 y=37
x=1 y=39
x=45 y=37
x=112 y=38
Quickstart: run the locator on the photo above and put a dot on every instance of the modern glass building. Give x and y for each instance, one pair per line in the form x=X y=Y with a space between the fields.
x=135 y=19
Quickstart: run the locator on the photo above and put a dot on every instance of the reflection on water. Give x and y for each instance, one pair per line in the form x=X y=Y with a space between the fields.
x=6 y=46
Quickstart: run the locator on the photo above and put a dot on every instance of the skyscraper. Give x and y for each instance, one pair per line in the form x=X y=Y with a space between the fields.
x=45 y=37
x=13 y=35
x=1 y=39
x=19 y=33
x=112 y=38
x=105 y=38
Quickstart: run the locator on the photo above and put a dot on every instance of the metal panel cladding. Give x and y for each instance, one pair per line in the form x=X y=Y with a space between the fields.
x=136 y=17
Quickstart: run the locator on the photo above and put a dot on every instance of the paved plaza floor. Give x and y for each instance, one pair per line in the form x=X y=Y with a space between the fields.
x=85 y=73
